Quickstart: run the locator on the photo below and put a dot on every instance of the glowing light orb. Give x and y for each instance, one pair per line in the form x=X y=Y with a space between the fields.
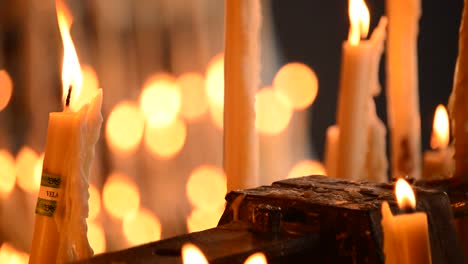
x=96 y=237
x=306 y=168
x=160 y=100
x=200 y=219
x=194 y=102
x=120 y=196
x=6 y=89
x=215 y=89
x=141 y=227
x=206 y=187
x=272 y=114
x=27 y=166
x=166 y=142
x=124 y=127
x=297 y=84
x=8 y=173
x=94 y=202
x=10 y=255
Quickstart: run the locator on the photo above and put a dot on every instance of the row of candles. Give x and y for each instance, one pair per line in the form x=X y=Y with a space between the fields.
x=356 y=147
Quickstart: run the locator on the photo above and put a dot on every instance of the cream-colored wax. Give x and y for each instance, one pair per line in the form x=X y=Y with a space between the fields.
x=402 y=87
x=241 y=79
x=438 y=164
x=352 y=111
x=406 y=237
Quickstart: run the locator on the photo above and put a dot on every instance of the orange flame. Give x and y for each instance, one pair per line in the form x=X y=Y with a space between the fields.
x=404 y=194
x=257 y=258
x=71 y=70
x=440 y=128
x=359 y=21
x=191 y=254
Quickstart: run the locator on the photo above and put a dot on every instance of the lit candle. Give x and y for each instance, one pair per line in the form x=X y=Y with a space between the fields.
x=438 y=162
x=241 y=81
x=406 y=237
x=60 y=227
x=402 y=87
x=358 y=63
x=457 y=102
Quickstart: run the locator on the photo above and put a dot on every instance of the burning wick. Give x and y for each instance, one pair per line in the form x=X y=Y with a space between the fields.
x=67 y=101
x=405 y=197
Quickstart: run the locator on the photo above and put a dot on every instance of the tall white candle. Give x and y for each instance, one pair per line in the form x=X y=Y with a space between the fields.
x=376 y=159
x=406 y=237
x=241 y=81
x=60 y=231
x=358 y=64
x=402 y=87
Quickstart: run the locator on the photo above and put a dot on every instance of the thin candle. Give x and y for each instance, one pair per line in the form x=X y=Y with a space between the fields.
x=60 y=227
x=241 y=70
x=358 y=128
x=402 y=87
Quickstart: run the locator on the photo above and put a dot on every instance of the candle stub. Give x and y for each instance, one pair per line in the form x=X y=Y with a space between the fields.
x=49 y=194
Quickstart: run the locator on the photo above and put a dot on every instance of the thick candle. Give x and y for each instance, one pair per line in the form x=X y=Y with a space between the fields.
x=60 y=231
x=241 y=73
x=438 y=162
x=402 y=87
x=406 y=237
x=354 y=112
x=458 y=99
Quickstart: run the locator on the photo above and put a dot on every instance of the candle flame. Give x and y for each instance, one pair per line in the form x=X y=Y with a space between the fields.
x=404 y=194
x=71 y=70
x=257 y=258
x=440 y=128
x=359 y=21
x=191 y=254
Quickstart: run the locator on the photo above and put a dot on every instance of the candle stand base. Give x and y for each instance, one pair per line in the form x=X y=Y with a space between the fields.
x=311 y=219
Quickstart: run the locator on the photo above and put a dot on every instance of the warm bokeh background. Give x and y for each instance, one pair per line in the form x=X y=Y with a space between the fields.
x=158 y=168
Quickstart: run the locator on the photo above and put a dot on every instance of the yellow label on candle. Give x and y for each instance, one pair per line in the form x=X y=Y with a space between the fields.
x=49 y=194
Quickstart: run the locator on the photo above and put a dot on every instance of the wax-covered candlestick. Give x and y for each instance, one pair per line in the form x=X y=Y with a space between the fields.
x=60 y=231
x=241 y=76
x=458 y=100
x=376 y=159
x=406 y=236
x=402 y=87
x=358 y=65
x=438 y=162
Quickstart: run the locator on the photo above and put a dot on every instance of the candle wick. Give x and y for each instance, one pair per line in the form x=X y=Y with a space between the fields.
x=407 y=209
x=67 y=101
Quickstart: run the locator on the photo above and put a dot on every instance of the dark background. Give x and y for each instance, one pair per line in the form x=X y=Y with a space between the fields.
x=313 y=31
